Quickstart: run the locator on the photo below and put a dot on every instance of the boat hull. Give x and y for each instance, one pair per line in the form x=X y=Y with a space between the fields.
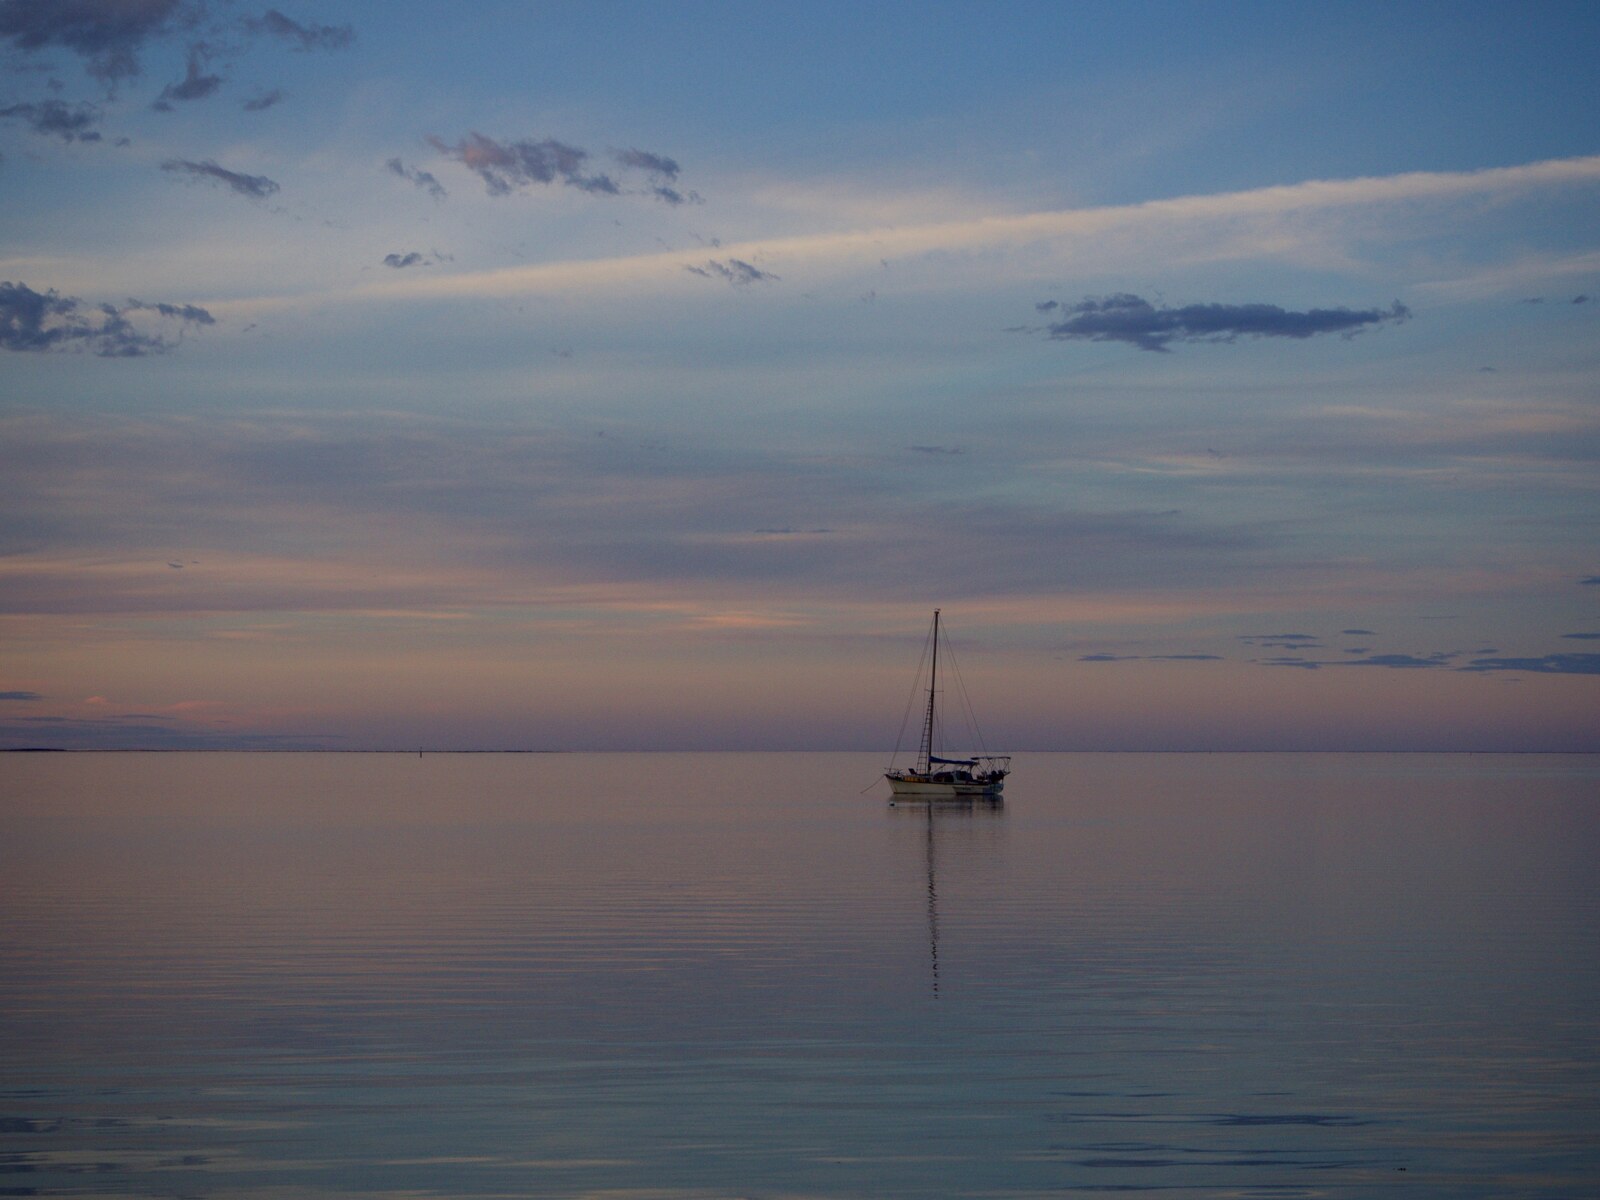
x=911 y=785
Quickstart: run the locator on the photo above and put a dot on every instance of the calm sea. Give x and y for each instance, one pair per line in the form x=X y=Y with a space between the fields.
x=738 y=975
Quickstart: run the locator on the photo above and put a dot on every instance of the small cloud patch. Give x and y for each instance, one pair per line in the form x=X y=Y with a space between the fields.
x=256 y=187
x=418 y=177
x=52 y=118
x=734 y=270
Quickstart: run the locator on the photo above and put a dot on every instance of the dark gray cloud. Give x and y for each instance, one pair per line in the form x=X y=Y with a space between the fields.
x=257 y=187
x=1584 y=299
x=1358 y=632
x=662 y=172
x=20 y=696
x=44 y=321
x=1134 y=320
x=1583 y=637
x=1150 y=658
x=107 y=34
x=1549 y=664
x=145 y=731
x=415 y=175
x=195 y=85
x=52 y=118
x=643 y=160
x=413 y=258
x=264 y=101
x=302 y=37
x=735 y=271
x=1591 y=581
x=505 y=167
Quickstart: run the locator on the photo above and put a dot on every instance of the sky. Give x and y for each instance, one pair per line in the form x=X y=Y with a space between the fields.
x=580 y=376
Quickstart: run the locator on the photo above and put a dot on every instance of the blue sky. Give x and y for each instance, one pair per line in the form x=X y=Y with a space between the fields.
x=573 y=376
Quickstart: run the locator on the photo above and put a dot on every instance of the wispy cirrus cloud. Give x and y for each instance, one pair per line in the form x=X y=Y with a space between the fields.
x=48 y=321
x=1134 y=320
x=256 y=187
x=1212 y=228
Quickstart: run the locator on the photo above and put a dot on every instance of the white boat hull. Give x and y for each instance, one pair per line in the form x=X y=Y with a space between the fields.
x=908 y=784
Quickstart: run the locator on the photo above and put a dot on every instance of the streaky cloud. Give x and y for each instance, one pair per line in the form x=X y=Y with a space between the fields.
x=735 y=271
x=1582 y=637
x=1128 y=318
x=22 y=696
x=257 y=187
x=506 y=167
x=302 y=37
x=53 y=118
x=264 y=101
x=1549 y=664
x=417 y=176
x=48 y=321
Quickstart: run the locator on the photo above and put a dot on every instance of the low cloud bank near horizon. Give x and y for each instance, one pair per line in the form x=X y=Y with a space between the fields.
x=1128 y=318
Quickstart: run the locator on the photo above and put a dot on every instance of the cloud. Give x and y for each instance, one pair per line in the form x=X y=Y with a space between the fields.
x=507 y=166
x=663 y=172
x=1583 y=637
x=422 y=179
x=1134 y=320
x=257 y=187
x=20 y=696
x=1401 y=662
x=1150 y=658
x=302 y=37
x=1591 y=581
x=107 y=34
x=42 y=321
x=52 y=118
x=414 y=258
x=196 y=85
x=264 y=101
x=655 y=164
x=735 y=271
x=1549 y=664
x=146 y=731
x=1358 y=632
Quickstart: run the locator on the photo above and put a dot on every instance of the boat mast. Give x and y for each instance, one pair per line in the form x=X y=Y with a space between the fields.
x=933 y=684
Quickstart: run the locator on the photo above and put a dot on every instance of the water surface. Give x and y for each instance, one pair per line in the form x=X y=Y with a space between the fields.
x=265 y=975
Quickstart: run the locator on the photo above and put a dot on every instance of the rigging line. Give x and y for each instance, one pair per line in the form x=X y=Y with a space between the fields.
x=911 y=700
x=966 y=700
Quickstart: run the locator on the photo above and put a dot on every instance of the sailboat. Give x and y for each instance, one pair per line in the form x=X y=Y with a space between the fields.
x=933 y=777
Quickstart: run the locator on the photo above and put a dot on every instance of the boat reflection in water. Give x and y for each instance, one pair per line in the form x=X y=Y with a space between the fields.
x=935 y=811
